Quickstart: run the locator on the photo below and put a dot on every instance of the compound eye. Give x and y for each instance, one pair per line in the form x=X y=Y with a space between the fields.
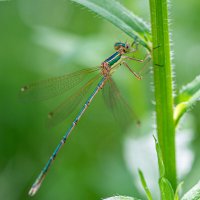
x=116 y=46
x=127 y=46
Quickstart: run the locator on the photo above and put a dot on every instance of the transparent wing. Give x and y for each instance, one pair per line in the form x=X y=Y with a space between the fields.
x=121 y=110
x=63 y=111
x=52 y=87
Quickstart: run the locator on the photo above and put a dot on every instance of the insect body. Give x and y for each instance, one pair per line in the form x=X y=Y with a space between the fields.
x=61 y=84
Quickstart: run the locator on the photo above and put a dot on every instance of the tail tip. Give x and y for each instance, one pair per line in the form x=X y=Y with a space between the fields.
x=34 y=189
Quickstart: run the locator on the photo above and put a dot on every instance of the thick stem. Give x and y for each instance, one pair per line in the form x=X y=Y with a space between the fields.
x=163 y=86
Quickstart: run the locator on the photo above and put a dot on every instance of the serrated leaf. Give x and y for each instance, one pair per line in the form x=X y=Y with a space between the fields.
x=193 y=194
x=167 y=192
x=187 y=97
x=166 y=189
x=176 y=196
x=121 y=198
x=121 y=17
x=144 y=184
x=160 y=159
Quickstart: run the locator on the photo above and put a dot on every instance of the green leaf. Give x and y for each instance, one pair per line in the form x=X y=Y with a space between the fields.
x=188 y=96
x=160 y=159
x=176 y=197
x=144 y=184
x=166 y=189
x=193 y=194
x=122 y=18
x=121 y=198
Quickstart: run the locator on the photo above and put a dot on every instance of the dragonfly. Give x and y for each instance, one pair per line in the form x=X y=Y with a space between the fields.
x=51 y=87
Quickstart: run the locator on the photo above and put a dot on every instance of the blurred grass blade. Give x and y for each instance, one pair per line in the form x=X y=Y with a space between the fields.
x=166 y=189
x=193 y=194
x=121 y=198
x=176 y=196
x=144 y=184
x=187 y=97
x=118 y=15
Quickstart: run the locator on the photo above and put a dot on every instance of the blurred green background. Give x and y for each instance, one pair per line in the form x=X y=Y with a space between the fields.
x=44 y=38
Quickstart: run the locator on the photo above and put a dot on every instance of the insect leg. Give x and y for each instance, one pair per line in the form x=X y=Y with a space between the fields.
x=138 y=60
x=134 y=73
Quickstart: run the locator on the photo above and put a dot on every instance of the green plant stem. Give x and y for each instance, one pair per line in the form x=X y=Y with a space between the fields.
x=163 y=86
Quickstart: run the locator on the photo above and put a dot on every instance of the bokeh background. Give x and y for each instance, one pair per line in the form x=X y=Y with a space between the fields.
x=44 y=38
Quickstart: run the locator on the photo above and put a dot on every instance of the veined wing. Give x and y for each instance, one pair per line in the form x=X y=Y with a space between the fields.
x=45 y=89
x=121 y=110
x=63 y=111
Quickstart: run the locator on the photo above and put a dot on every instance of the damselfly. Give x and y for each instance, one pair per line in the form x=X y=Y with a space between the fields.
x=55 y=86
